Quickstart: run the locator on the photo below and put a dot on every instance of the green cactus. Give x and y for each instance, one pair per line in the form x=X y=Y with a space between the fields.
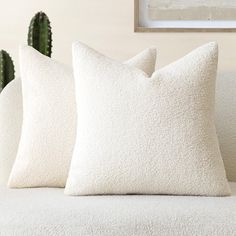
x=6 y=69
x=40 y=34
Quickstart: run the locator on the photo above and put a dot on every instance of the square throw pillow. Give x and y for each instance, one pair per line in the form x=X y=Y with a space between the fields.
x=49 y=119
x=146 y=135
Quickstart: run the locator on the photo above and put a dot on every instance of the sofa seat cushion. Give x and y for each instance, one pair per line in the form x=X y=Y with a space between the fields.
x=47 y=211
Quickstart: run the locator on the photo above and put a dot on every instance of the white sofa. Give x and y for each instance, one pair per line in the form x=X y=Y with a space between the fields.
x=47 y=211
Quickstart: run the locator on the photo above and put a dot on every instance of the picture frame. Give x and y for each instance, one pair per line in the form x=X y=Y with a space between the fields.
x=142 y=23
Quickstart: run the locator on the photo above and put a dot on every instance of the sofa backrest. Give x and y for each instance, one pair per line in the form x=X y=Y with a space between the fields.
x=11 y=120
x=10 y=126
x=226 y=120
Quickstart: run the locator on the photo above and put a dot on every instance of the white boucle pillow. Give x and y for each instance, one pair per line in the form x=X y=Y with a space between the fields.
x=49 y=119
x=146 y=135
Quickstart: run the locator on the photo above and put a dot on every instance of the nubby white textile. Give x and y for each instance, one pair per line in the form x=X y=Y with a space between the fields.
x=10 y=126
x=146 y=135
x=49 y=119
x=47 y=211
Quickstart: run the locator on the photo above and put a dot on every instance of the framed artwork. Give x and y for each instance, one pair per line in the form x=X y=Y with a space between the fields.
x=185 y=15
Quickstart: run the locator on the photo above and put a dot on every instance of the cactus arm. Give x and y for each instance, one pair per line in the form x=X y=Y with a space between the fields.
x=7 y=72
x=40 y=34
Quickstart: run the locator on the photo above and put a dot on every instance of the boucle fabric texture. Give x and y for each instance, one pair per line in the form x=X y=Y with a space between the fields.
x=46 y=211
x=10 y=126
x=49 y=119
x=226 y=120
x=146 y=135
x=11 y=121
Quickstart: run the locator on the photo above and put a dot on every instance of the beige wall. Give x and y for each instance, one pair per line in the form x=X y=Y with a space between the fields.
x=106 y=25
